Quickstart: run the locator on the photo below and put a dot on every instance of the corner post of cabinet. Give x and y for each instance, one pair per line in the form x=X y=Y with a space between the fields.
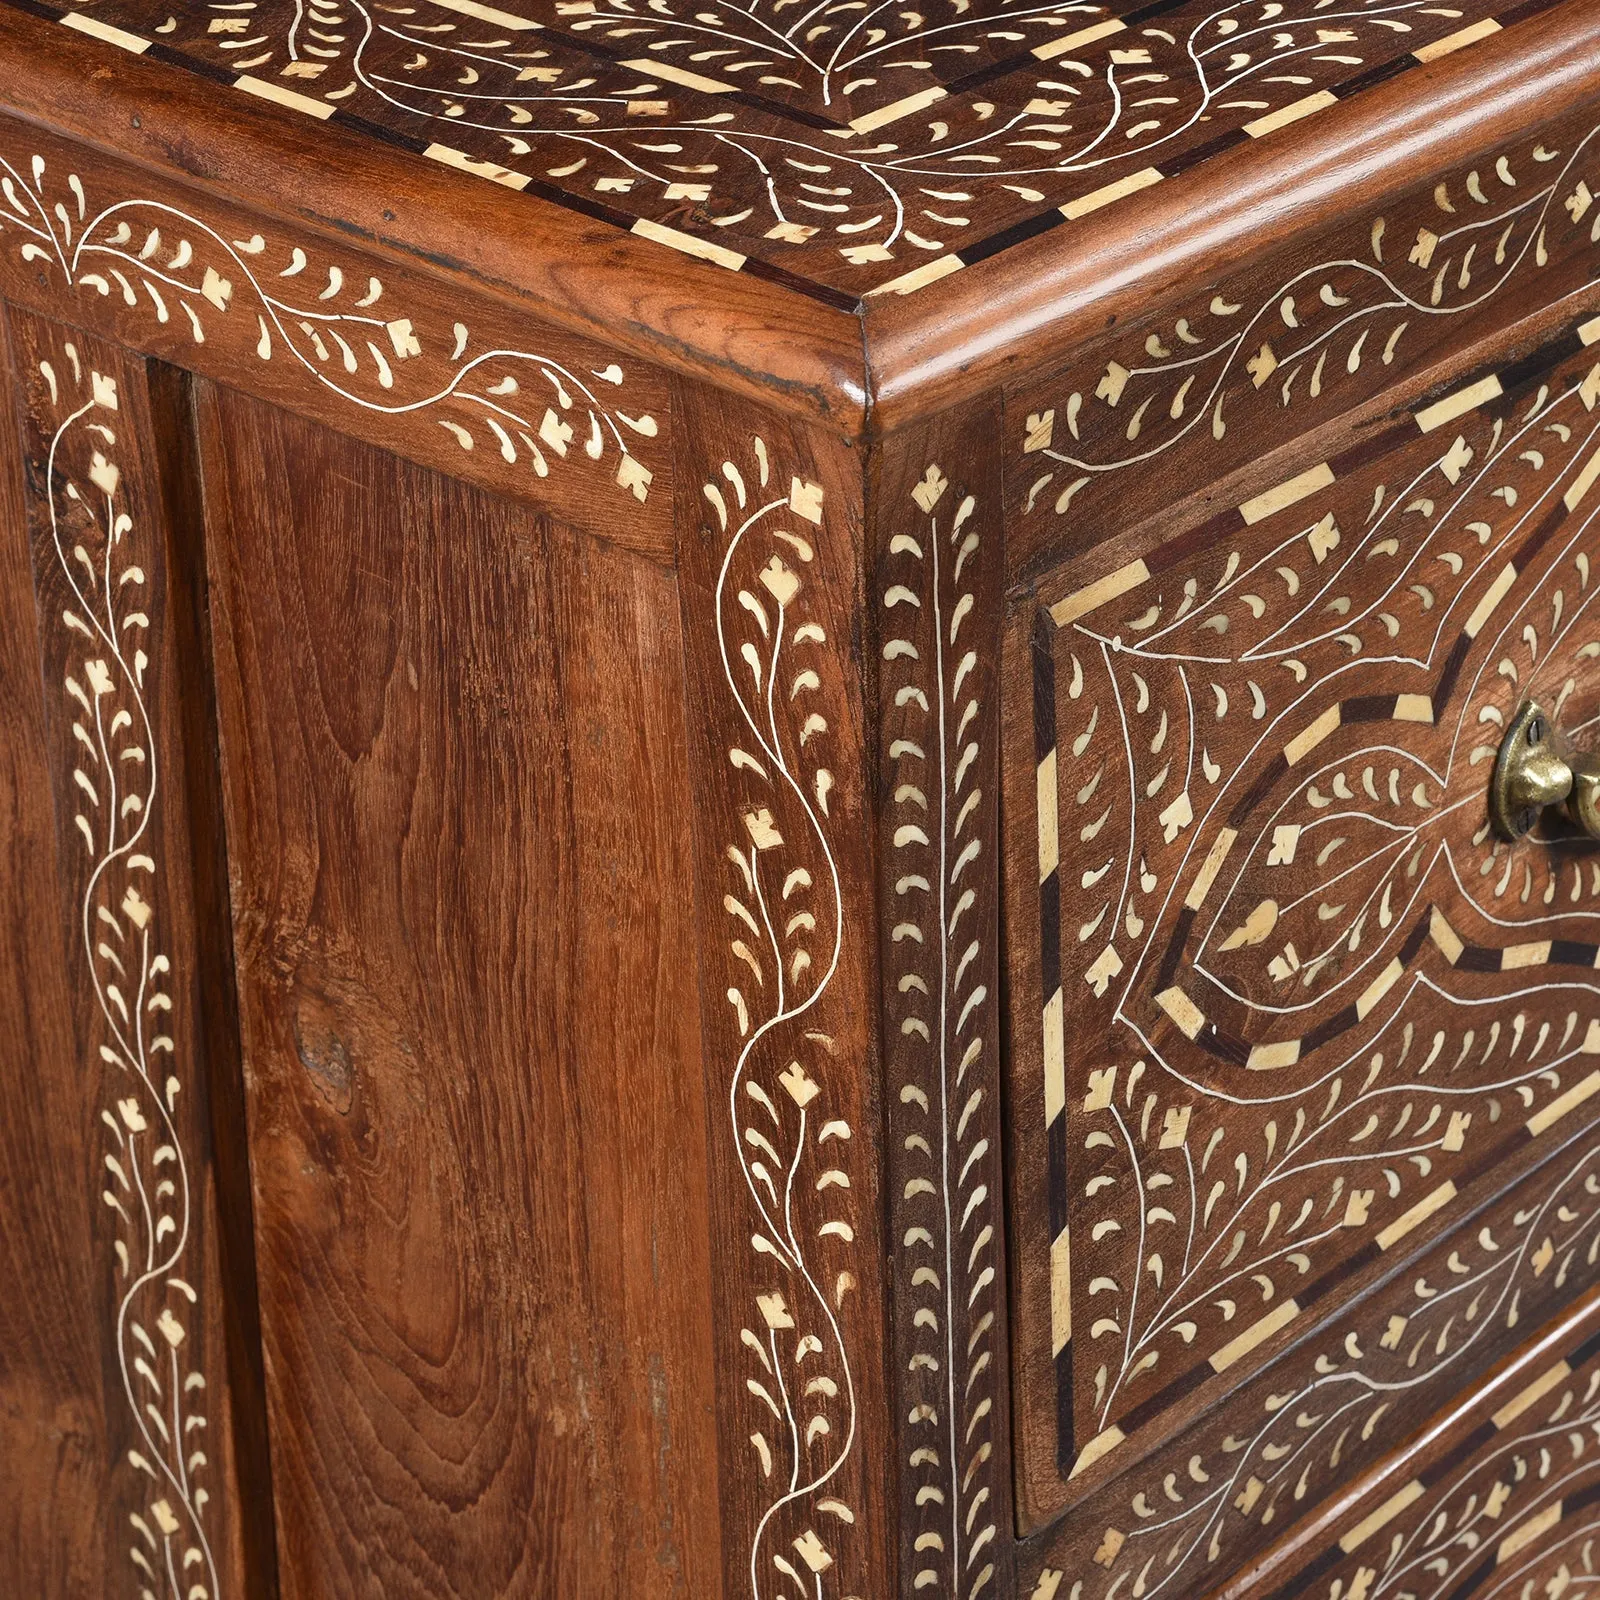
x=773 y=585
x=935 y=532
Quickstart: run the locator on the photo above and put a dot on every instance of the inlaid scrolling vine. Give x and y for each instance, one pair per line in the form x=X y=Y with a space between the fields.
x=318 y=321
x=1287 y=345
x=1218 y=1493
x=1517 y=1517
x=862 y=148
x=109 y=575
x=788 y=1123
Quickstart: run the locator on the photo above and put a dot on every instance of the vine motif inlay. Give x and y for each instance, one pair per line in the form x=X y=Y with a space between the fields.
x=1340 y=327
x=940 y=1030
x=160 y=263
x=783 y=898
x=1331 y=1001
x=148 y=1186
x=871 y=149
x=1216 y=1495
x=1521 y=1508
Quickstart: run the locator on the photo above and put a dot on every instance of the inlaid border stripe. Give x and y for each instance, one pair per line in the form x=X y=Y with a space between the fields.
x=481 y=13
x=1456 y=41
x=1459 y=403
x=1110 y=194
x=1386 y=1513
x=96 y=29
x=1052 y=1028
x=1535 y=1391
x=884 y=115
x=1076 y=41
x=1293 y=112
x=684 y=80
x=1204 y=1031
x=1528 y=1532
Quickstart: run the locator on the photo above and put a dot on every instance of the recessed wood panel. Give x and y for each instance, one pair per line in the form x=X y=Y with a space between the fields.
x=1289 y=1013
x=453 y=755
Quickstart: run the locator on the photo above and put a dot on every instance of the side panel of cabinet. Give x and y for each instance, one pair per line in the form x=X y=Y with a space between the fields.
x=453 y=752
x=121 y=1424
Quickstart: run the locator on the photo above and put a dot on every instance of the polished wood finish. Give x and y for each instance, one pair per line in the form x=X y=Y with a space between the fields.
x=477 y=1203
x=824 y=686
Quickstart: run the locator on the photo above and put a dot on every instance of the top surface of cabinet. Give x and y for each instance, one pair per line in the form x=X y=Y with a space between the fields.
x=839 y=149
x=793 y=171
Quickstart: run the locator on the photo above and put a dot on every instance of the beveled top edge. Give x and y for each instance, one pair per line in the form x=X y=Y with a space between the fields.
x=992 y=326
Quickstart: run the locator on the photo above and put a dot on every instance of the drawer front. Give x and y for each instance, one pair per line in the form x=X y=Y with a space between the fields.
x=1500 y=1496
x=1215 y=1501
x=1287 y=1018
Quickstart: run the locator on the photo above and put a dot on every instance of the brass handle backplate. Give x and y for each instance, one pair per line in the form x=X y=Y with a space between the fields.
x=1538 y=767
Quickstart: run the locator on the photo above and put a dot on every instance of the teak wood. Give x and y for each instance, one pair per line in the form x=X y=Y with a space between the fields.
x=745 y=752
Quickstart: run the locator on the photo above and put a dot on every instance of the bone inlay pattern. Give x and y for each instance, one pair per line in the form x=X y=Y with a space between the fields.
x=1299 y=970
x=840 y=149
x=107 y=579
x=790 y=1128
x=489 y=399
x=1515 y=1497
x=1216 y=1494
x=1292 y=343
x=938 y=581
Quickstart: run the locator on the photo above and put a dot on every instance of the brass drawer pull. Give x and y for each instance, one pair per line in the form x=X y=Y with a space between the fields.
x=1537 y=767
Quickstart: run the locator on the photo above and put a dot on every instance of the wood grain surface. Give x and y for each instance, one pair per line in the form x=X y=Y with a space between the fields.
x=455 y=791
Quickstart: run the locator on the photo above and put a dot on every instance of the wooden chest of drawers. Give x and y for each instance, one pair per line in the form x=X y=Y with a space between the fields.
x=747 y=759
